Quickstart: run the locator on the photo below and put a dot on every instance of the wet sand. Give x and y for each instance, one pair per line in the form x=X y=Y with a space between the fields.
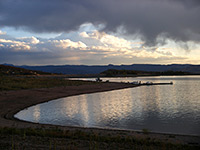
x=13 y=101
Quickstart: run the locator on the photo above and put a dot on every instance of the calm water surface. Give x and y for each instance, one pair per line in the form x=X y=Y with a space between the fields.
x=161 y=108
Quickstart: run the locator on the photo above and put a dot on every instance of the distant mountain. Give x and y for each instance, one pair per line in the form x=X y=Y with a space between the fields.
x=132 y=73
x=11 y=70
x=84 y=69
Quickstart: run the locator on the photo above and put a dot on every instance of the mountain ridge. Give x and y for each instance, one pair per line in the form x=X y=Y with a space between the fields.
x=13 y=70
x=96 y=69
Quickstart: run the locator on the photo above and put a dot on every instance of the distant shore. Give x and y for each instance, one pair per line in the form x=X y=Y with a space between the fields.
x=13 y=101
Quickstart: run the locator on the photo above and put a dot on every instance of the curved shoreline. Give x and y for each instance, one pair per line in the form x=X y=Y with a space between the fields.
x=13 y=101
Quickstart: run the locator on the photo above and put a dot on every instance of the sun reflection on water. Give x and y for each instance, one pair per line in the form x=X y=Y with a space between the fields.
x=36 y=113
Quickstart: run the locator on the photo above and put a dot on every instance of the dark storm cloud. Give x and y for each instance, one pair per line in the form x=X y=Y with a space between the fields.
x=176 y=19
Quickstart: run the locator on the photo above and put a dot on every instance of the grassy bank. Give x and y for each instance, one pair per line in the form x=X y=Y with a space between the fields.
x=12 y=138
x=31 y=82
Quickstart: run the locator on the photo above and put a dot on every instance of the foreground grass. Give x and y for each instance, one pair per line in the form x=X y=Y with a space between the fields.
x=12 y=138
x=30 y=82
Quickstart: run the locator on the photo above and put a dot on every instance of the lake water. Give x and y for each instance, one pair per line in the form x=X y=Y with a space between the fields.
x=158 y=108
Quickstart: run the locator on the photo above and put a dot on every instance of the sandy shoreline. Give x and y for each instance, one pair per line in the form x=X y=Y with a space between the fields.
x=13 y=101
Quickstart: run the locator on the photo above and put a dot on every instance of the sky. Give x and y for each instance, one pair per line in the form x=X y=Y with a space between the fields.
x=99 y=32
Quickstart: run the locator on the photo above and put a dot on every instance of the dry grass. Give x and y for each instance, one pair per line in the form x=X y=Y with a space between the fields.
x=12 y=138
x=31 y=82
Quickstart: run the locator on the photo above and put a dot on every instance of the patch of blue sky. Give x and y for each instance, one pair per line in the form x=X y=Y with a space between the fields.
x=89 y=27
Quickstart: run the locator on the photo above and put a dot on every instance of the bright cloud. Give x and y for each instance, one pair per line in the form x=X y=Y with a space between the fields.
x=84 y=35
x=68 y=44
x=30 y=40
x=110 y=40
x=15 y=45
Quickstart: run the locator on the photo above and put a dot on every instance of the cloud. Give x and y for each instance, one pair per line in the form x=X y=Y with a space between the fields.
x=84 y=35
x=107 y=49
x=178 y=19
x=30 y=40
x=110 y=40
x=15 y=45
x=68 y=44
x=2 y=33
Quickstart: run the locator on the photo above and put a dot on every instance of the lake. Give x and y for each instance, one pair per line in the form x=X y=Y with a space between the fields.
x=158 y=108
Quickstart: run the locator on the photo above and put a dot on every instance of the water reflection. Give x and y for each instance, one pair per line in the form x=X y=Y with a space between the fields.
x=91 y=109
x=158 y=108
x=36 y=113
